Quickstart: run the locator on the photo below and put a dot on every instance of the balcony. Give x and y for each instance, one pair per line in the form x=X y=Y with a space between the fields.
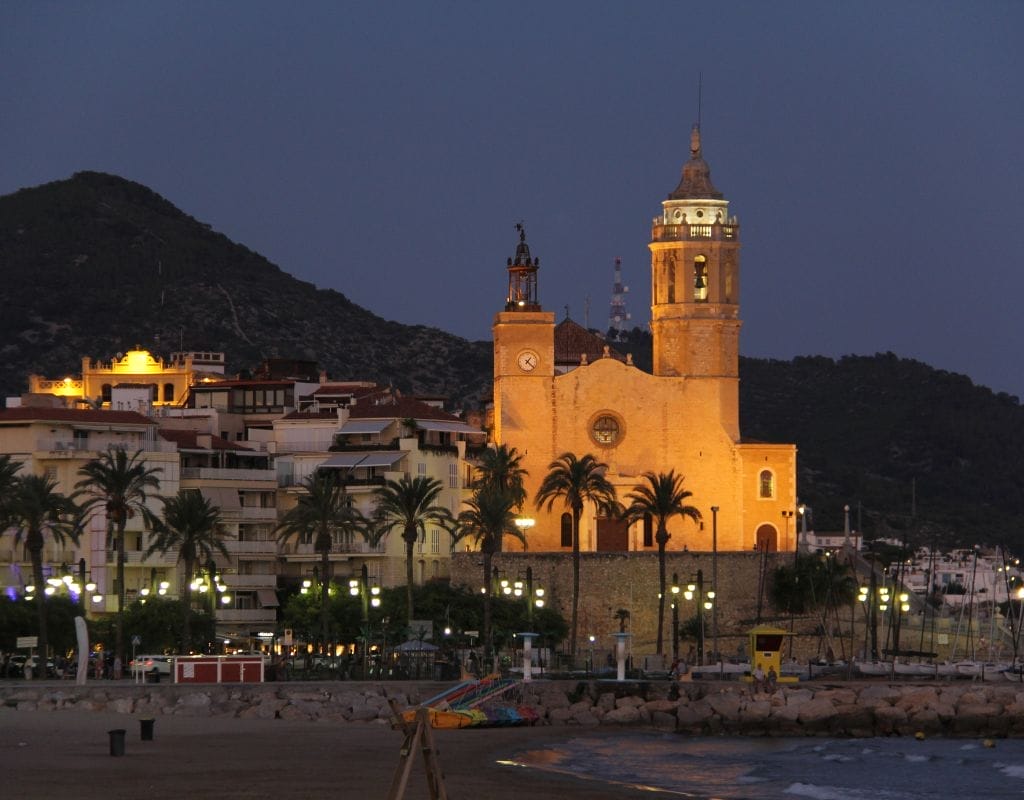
x=237 y=582
x=685 y=232
x=251 y=513
x=252 y=616
x=304 y=552
x=212 y=474
x=57 y=447
x=263 y=548
x=135 y=558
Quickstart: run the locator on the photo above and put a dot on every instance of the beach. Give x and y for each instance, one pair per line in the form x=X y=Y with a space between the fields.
x=66 y=753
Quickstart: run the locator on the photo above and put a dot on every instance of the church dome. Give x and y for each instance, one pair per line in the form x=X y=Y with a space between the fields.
x=696 y=181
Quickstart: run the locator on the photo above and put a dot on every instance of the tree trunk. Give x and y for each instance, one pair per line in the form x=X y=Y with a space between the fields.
x=119 y=646
x=325 y=595
x=489 y=586
x=576 y=514
x=410 y=542
x=186 y=627
x=662 y=541
x=36 y=554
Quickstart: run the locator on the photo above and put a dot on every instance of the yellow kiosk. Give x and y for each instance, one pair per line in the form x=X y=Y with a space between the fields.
x=766 y=652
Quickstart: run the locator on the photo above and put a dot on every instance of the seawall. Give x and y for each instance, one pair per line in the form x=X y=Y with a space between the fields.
x=698 y=708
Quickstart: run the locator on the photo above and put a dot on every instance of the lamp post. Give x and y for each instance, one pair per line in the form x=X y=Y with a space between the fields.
x=788 y=516
x=368 y=596
x=675 y=617
x=705 y=602
x=714 y=580
x=875 y=598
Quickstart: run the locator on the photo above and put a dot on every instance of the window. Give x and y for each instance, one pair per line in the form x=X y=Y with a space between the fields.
x=168 y=392
x=700 y=279
x=421 y=468
x=105 y=393
x=606 y=430
x=51 y=473
x=766 y=484
x=566 y=529
x=670 y=268
x=435 y=541
x=648 y=530
x=453 y=476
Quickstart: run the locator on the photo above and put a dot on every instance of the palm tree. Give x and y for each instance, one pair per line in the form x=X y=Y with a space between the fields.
x=323 y=512
x=192 y=528
x=410 y=504
x=501 y=468
x=8 y=481
x=662 y=497
x=577 y=481
x=121 y=485
x=488 y=518
x=34 y=509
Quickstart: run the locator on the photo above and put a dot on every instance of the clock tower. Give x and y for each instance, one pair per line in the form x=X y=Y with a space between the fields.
x=524 y=355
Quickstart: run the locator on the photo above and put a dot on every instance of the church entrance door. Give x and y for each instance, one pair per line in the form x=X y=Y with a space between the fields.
x=767 y=539
x=612 y=535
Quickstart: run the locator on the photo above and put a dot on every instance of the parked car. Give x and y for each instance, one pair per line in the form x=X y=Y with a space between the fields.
x=152 y=665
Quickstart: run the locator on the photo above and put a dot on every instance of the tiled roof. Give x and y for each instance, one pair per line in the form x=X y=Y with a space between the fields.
x=401 y=408
x=73 y=415
x=189 y=440
x=572 y=339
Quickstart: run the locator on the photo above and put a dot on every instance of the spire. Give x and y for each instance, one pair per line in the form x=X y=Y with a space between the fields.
x=696 y=181
x=522 y=277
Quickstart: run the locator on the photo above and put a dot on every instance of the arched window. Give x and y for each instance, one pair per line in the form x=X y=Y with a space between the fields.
x=648 y=530
x=566 y=529
x=700 y=279
x=670 y=268
x=766 y=484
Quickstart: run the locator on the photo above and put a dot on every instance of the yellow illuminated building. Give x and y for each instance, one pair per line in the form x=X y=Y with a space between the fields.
x=683 y=417
x=146 y=382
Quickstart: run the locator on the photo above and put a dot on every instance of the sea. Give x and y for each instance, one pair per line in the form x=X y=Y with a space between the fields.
x=764 y=768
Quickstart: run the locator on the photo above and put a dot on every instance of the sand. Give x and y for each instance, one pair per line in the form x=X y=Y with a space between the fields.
x=67 y=754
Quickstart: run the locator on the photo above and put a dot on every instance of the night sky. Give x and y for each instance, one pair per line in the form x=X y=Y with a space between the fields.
x=872 y=151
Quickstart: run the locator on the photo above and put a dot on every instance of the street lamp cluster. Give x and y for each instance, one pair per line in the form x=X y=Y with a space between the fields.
x=65 y=583
x=705 y=598
x=880 y=599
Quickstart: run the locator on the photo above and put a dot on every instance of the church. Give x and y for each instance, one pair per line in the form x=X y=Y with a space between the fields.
x=558 y=389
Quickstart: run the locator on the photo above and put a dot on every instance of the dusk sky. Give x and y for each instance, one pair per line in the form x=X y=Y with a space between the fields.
x=872 y=151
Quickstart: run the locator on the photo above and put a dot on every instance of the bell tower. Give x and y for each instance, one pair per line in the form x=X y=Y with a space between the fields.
x=524 y=354
x=695 y=286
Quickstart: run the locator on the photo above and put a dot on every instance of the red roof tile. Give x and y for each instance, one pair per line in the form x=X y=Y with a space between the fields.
x=80 y=415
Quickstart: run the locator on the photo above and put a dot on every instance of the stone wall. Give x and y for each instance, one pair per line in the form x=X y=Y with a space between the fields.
x=610 y=581
x=856 y=709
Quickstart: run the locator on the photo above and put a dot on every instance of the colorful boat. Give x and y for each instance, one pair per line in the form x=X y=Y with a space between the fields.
x=488 y=702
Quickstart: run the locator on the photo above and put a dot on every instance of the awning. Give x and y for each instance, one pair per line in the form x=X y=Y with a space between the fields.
x=445 y=427
x=224 y=499
x=365 y=426
x=343 y=461
x=267 y=598
x=381 y=459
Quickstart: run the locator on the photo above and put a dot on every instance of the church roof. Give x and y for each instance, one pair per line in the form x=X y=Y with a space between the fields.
x=696 y=181
x=572 y=340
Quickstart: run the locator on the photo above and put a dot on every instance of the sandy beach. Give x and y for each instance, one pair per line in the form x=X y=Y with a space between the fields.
x=66 y=753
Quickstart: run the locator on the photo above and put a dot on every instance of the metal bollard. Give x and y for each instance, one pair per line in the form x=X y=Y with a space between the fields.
x=116 y=741
x=146 y=729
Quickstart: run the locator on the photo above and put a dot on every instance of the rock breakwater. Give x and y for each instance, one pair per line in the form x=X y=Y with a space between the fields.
x=855 y=709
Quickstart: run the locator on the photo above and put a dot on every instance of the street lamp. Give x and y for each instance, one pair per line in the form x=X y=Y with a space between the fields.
x=714 y=580
x=675 y=617
x=705 y=602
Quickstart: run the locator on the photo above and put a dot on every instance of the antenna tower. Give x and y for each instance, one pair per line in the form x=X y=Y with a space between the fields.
x=618 y=316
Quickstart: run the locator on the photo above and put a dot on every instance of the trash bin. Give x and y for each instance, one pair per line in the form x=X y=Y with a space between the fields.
x=116 y=741
x=146 y=729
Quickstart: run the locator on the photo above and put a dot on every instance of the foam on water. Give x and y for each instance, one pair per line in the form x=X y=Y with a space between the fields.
x=734 y=768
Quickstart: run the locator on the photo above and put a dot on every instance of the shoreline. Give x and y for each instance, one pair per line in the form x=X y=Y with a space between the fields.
x=46 y=755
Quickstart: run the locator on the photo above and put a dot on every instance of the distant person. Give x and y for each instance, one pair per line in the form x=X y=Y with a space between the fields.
x=117 y=668
x=759 y=679
x=773 y=679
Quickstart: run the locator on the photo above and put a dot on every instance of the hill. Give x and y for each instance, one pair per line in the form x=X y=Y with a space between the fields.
x=96 y=264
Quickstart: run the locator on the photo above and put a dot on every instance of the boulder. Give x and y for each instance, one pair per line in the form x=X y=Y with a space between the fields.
x=624 y=715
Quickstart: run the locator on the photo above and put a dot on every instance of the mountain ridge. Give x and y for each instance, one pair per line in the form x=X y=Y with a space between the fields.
x=97 y=265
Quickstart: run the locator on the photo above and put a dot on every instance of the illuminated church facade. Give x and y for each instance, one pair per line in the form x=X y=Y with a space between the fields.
x=684 y=416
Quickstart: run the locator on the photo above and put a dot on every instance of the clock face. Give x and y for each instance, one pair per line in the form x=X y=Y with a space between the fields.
x=528 y=360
